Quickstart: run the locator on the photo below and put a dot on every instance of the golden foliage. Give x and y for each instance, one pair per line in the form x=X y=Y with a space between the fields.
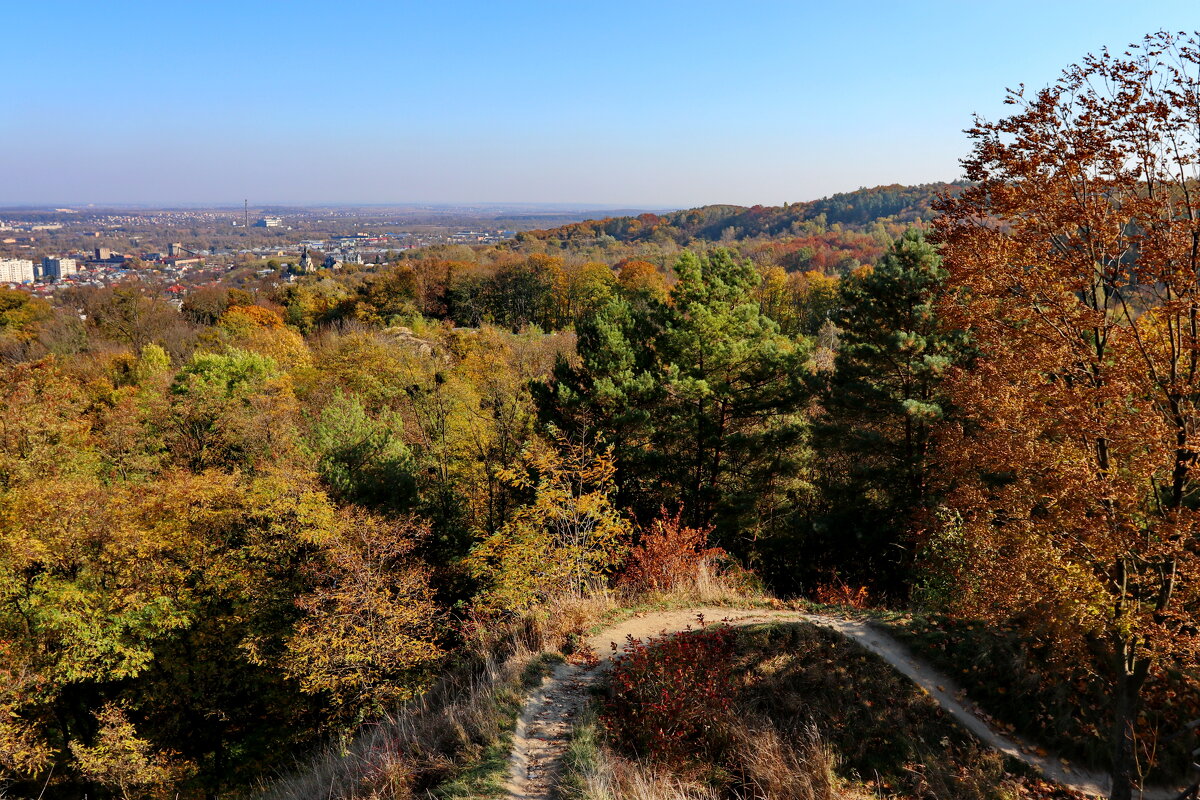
x=23 y=751
x=1073 y=264
x=43 y=431
x=642 y=276
x=562 y=542
x=368 y=637
x=260 y=330
x=119 y=759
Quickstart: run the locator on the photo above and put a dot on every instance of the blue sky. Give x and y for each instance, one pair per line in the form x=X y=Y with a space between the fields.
x=641 y=104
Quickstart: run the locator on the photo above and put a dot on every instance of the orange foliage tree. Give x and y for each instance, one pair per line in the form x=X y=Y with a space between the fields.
x=1074 y=264
x=642 y=276
x=670 y=554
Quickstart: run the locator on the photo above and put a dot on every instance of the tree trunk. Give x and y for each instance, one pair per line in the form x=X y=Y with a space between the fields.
x=1126 y=701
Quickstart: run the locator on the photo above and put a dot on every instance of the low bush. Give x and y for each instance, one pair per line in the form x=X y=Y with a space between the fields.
x=667 y=696
x=668 y=556
x=837 y=592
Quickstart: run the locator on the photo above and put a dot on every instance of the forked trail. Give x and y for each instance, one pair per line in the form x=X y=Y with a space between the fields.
x=544 y=728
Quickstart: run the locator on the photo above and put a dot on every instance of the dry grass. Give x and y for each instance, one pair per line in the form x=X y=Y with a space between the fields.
x=881 y=726
x=1054 y=699
x=629 y=780
x=711 y=585
x=769 y=767
x=800 y=767
x=454 y=740
x=551 y=627
x=457 y=731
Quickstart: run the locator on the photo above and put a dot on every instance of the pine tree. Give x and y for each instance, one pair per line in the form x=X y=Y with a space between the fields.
x=880 y=404
x=736 y=385
x=700 y=396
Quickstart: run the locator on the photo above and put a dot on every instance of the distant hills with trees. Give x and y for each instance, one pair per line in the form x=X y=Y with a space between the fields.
x=857 y=210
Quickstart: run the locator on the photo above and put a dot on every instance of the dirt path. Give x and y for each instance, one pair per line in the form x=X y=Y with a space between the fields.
x=545 y=725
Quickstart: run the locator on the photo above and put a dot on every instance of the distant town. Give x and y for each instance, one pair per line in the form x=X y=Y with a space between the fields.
x=47 y=250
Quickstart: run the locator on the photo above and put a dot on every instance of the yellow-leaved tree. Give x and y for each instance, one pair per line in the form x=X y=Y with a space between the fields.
x=260 y=330
x=126 y=763
x=369 y=637
x=565 y=540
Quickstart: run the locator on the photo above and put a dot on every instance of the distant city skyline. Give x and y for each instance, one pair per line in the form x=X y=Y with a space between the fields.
x=585 y=105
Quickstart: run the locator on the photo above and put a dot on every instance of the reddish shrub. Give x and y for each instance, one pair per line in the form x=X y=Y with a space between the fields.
x=669 y=554
x=839 y=593
x=666 y=696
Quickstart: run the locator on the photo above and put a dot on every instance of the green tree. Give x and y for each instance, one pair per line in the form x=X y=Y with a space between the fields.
x=702 y=398
x=521 y=294
x=880 y=406
x=233 y=409
x=736 y=385
x=361 y=458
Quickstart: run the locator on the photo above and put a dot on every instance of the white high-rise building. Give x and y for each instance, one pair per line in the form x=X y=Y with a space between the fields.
x=16 y=270
x=55 y=268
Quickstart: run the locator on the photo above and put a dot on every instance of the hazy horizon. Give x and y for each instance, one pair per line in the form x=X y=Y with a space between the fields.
x=671 y=105
x=383 y=204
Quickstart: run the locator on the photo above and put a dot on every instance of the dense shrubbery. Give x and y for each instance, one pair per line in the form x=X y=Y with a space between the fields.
x=666 y=697
x=669 y=556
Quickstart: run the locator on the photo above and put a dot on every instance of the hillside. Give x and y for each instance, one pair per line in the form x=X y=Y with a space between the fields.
x=857 y=210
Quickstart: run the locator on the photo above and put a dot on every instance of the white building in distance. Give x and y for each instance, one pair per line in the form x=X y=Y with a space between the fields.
x=16 y=270
x=56 y=268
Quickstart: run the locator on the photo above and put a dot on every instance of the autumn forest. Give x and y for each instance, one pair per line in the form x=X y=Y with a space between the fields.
x=239 y=532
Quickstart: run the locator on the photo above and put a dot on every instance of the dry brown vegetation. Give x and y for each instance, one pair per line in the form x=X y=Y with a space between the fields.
x=813 y=717
x=426 y=743
x=455 y=738
x=770 y=765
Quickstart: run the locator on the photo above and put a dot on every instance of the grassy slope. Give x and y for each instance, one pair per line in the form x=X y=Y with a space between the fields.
x=483 y=774
x=1063 y=709
x=454 y=743
x=883 y=728
x=879 y=734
